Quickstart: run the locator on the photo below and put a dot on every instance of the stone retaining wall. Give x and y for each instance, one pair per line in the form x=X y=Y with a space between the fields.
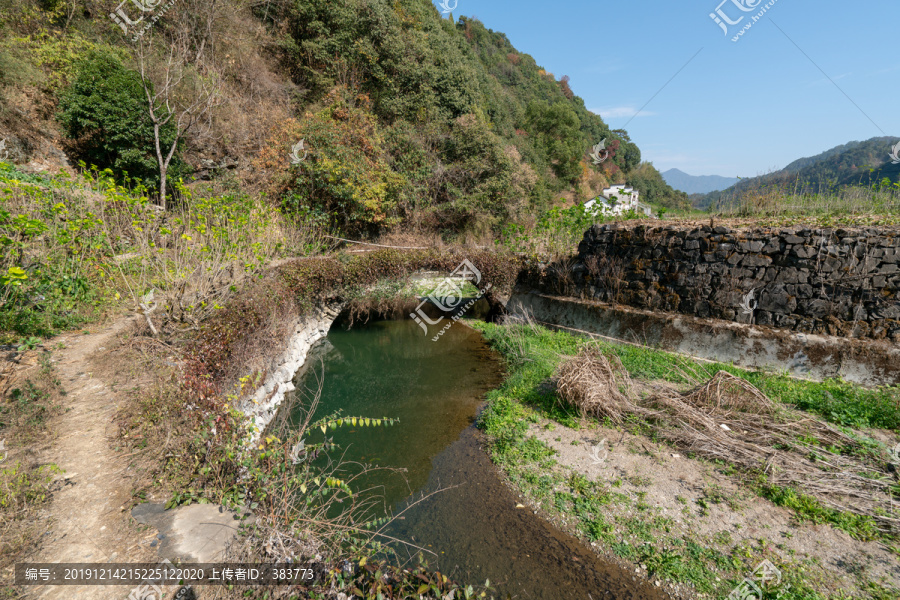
x=262 y=405
x=843 y=282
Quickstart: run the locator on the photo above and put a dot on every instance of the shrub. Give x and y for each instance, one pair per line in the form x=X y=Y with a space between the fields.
x=345 y=176
x=104 y=115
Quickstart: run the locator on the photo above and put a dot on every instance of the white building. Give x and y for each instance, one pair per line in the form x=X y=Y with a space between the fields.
x=616 y=200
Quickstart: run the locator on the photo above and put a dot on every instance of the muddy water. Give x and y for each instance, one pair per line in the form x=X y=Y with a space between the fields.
x=390 y=368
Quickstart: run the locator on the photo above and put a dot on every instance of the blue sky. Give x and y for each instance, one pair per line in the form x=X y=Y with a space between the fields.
x=738 y=108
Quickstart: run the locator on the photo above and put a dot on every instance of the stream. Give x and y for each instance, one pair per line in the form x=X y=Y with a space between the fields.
x=391 y=369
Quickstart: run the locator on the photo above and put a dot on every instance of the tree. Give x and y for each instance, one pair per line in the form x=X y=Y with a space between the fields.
x=564 y=86
x=179 y=97
x=555 y=129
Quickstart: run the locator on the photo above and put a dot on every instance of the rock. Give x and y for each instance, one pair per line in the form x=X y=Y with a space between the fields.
x=195 y=533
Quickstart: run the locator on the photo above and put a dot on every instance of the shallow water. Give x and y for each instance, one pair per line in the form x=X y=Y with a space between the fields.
x=391 y=369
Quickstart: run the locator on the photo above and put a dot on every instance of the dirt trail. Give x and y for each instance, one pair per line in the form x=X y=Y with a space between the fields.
x=86 y=516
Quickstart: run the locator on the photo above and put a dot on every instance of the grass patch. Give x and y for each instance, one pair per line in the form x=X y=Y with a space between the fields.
x=835 y=400
x=30 y=404
x=809 y=509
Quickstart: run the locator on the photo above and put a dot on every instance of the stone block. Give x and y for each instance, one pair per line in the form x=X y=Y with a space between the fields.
x=756 y=260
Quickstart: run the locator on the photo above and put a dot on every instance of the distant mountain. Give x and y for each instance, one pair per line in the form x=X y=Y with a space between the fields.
x=697 y=184
x=853 y=163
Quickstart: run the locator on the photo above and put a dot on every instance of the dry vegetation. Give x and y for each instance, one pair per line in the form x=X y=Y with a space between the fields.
x=30 y=393
x=845 y=204
x=728 y=419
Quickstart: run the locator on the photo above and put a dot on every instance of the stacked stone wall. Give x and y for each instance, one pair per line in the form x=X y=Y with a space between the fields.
x=832 y=281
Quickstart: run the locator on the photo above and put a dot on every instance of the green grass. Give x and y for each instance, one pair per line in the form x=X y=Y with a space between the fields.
x=809 y=509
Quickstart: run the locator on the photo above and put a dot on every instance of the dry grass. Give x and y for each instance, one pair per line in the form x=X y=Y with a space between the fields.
x=29 y=397
x=728 y=419
x=411 y=239
x=596 y=386
x=609 y=272
x=813 y=200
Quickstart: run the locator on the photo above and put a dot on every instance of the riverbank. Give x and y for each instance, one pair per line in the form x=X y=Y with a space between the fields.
x=695 y=527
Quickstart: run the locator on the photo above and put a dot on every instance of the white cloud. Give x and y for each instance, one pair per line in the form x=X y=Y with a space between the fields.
x=621 y=112
x=883 y=71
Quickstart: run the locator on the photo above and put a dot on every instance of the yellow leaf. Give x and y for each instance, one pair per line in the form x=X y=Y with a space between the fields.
x=362 y=561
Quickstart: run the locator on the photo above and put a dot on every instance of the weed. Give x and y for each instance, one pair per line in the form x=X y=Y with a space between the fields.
x=810 y=509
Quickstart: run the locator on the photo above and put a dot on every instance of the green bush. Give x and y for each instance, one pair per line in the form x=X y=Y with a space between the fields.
x=104 y=115
x=345 y=176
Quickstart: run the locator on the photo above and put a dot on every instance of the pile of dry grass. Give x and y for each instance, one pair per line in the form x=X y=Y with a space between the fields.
x=596 y=386
x=728 y=419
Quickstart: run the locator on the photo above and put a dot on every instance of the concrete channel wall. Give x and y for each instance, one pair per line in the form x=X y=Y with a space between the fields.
x=809 y=356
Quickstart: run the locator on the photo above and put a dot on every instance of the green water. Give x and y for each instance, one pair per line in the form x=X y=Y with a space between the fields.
x=471 y=523
x=390 y=369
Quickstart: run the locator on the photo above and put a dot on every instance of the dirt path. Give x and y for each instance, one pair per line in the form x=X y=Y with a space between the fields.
x=87 y=520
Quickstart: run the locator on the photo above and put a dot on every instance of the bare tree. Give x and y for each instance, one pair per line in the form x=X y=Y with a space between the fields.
x=180 y=92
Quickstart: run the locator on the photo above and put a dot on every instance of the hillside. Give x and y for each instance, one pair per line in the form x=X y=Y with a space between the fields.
x=852 y=164
x=409 y=120
x=697 y=184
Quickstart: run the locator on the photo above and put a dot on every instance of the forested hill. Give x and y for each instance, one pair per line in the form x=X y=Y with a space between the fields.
x=407 y=118
x=855 y=163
